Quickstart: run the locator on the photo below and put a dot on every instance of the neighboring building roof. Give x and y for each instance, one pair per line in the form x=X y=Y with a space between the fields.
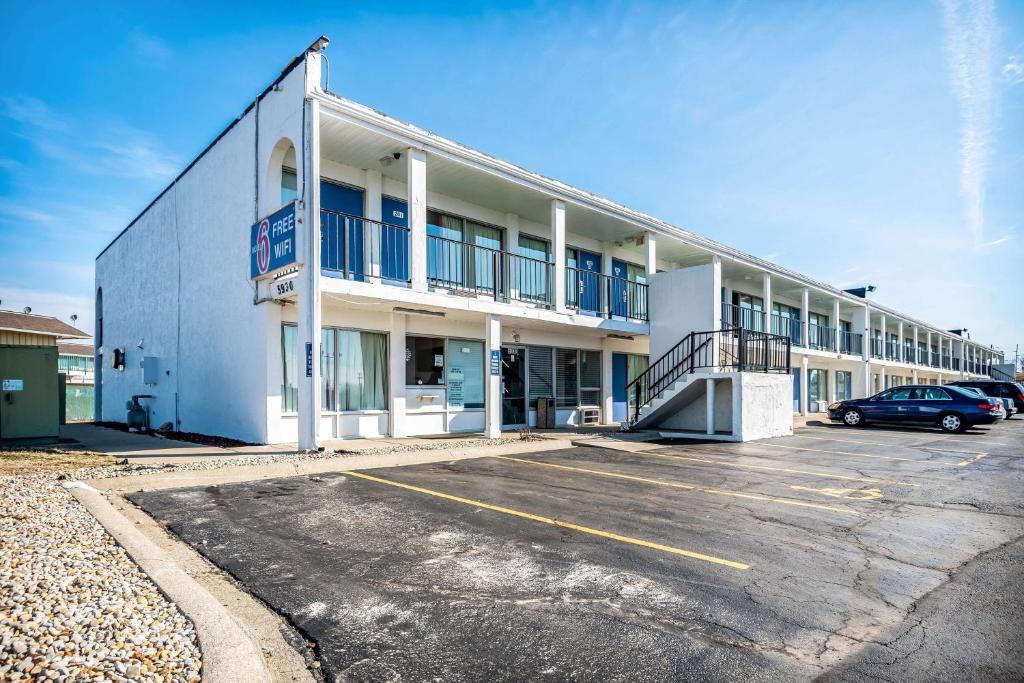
x=73 y=349
x=39 y=324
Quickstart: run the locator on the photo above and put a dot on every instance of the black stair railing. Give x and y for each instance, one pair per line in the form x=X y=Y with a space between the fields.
x=735 y=348
x=996 y=373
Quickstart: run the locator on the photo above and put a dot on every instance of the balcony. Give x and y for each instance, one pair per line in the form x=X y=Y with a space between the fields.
x=821 y=338
x=605 y=295
x=361 y=249
x=783 y=326
x=851 y=343
x=742 y=317
x=877 y=348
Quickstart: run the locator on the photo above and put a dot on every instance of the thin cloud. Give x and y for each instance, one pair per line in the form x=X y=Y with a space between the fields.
x=971 y=29
x=149 y=47
x=1013 y=70
x=23 y=213
x=120 y=151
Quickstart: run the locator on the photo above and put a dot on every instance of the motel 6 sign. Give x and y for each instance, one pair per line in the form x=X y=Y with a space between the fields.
x=272 y=242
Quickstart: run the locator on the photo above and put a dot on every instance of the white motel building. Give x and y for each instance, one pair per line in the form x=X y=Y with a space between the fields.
x=405 y=284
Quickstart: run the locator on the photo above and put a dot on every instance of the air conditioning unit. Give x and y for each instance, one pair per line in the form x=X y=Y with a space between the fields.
x=821 y=406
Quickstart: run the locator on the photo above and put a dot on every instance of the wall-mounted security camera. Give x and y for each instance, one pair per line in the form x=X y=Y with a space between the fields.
x=397 y=155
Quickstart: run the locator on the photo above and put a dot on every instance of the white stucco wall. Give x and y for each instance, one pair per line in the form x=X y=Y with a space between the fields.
x=177 y=281
x=682 y=301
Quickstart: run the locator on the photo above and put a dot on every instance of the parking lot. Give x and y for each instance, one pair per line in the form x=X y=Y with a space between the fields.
x=856 y=553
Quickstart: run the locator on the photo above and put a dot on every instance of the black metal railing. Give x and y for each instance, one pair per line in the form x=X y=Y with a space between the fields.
x=892 y=350
x=736 y=349
x=350 y=244
x=606 y=295
x=996 y=373
x=851 y=343
x=821 y=337
x=791 y=328
x=464 y=267
x=877 y=347
x=739 y=316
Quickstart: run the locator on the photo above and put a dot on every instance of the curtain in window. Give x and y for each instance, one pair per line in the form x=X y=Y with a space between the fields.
x=532 y=275
x=590 y=378
x=328 y=396
x=479 y=263
x=444 y=258
x=635 y=366
x=375 y=370
x=350 y=370
x=290 y=370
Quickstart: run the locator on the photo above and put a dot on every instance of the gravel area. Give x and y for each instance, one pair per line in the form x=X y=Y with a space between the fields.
x=129 y=469
x=73 y=605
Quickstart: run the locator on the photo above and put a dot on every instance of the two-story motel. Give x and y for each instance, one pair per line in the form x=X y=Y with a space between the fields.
x=432 y=288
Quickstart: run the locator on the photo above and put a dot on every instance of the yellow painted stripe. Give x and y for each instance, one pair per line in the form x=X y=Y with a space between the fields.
x=882 y=443
x=976 y=458
x=823 y=475
x=659 y=482
x=555 y=522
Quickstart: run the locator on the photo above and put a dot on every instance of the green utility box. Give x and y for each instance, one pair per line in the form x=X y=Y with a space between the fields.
x=29 y=393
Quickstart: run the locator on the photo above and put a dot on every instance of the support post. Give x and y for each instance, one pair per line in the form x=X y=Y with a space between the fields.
x=308 y=294
x=606 y=381
x=510 y=268
x=805 y=318
x=651 y=253
x=416 y=186
x=766 y=291
x=371 y=230
x=835 y=326
x=396 y=376
x=492 y=385
x=804 y=389
x=710 y=407
x=558 y=253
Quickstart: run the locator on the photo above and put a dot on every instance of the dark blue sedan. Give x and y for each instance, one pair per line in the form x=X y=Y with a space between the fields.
x=948 y=407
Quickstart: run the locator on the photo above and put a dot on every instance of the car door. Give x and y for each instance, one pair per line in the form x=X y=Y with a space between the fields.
x=892 y=405
x=931 y=403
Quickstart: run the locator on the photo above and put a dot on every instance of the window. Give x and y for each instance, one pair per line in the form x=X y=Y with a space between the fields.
x=424 y=361
x=844 y=385
x=289 y=186
x=636 y=366
x=532 y=270
x=566 y=378
x=786 y=321
x=590 y=378
x=816 y=382
x=934 y=394
x=748 y=311
x=290 y=368
x=465 y=373
x=362 y=376
x=540 y=373
x=451 y=263
x=328 y=387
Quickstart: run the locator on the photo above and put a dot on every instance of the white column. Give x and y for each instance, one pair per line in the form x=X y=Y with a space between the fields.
x=962 y=357
x=371 y=231
x=835 y=327
x=512 y=247
x=766 y=290
x=308 y=290
x=651 y=253
x=831 y=385
x=913 y=375
x=803 y=385
x=899 y=341
x=928 y=355
x=940 y=352
x=710 y=405
x=914 y=359
x=881 y=379
x=396 y=376
x=416 y=187
x=492 y=383
x=805 y=316
x=606 y=381
x=605 y=294
x=885 y=344
x=558 y=252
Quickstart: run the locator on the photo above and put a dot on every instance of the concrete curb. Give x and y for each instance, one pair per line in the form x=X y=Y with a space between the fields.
x=229 y=653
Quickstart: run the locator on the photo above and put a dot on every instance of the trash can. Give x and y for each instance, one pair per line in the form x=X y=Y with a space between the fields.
x=545 y=413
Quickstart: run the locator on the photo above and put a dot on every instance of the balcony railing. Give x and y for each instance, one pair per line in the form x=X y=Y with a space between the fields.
x=606 y=295
x=877 y=347
x=785 y=326
x=739 y=316
x=346 y=240
x=470 y=268
x=821 y=337
x=892 y=350
x=851 y=343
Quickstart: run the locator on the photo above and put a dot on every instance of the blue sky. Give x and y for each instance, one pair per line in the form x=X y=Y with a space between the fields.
x=877 y=143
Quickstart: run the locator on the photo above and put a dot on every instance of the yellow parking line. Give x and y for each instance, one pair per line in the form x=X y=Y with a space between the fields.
x=555 y=522
x=659 y=482
x=824 y=475
x=882 y=443
x=976 y=458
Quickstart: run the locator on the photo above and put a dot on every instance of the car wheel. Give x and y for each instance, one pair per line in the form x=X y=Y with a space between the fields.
x=951 y=422
x=853 y=418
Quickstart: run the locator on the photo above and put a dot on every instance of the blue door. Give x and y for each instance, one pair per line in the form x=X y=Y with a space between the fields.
x=620 y=288
x=588 y=281
x=394 y=242
x=341 y=206
x=620 y=378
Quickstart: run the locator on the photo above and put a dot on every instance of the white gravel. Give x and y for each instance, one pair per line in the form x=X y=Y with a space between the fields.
x=73 y=605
